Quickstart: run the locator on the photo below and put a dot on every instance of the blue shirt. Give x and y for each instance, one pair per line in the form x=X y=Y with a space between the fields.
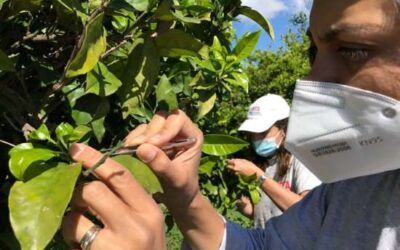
x=360 y=213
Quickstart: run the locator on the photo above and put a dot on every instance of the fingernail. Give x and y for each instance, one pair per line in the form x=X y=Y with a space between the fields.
x=76 y=149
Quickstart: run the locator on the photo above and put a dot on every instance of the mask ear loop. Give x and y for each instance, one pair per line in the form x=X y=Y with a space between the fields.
x=283 y=137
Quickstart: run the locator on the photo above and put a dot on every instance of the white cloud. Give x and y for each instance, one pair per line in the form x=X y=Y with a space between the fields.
x=268 y=8
x=272 y=8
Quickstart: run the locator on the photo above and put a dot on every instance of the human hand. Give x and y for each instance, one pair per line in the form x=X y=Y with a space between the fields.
x=131 y=218
x=177 y=173
x=244 y=167
x=245 y=206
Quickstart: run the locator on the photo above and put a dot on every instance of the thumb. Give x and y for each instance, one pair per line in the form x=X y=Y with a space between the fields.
x=158 y=162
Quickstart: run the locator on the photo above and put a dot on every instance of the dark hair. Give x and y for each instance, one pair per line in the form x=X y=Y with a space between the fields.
x=284 y=156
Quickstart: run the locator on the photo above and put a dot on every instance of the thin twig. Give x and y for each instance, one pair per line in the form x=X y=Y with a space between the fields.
x=108 y=52
x=11 y=123
x=103 y=159
x=7 y=143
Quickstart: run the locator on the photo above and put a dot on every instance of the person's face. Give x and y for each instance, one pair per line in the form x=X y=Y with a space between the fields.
x=357 y=42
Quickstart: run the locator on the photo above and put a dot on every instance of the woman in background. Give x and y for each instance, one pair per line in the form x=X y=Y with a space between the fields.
x=283 y=179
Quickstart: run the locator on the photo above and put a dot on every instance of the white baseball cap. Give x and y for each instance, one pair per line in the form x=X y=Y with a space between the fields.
x=264 y=113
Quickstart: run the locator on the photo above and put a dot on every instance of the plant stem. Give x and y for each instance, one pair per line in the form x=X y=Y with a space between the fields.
x=7 y=143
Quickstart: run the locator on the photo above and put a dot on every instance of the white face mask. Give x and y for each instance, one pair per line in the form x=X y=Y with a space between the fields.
x=340 y=132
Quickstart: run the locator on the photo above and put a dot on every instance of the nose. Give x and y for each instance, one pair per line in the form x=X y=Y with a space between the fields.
x=325 y=68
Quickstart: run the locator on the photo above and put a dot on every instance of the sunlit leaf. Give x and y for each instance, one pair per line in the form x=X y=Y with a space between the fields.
x=24 y=155
x=220 y=145
x=141 y=5
x=216 y=46
x=175 y=43
x=206 y=103
x=255 y=196
x=141 y=172
x=37 y=206
x=67 y=134
x=100 y=81
x=258 y=18
x=41 y=134
x=166 y=97
x=92 y=46
x=240 y=79
x=246 y=45
x=5 y=63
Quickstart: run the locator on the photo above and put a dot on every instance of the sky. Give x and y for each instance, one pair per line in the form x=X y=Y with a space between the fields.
x=278 y=12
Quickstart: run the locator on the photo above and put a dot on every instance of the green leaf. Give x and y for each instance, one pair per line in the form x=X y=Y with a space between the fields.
x=93 y=45
x=166 y=97
x=258 y=18
x=1 y=3
x=240 y=79
x=37 y=206
x=98 y=129
x=216 y=46
x=246 y=45
x=220 y=145
x=101 y=82
x=206 y=103
x=255 y=196
x=180 y=17
x=89 y=108
x=28 y=5
x=210 y=188
x=24 y=155
x=206 y=165
x=68 y=12
x=5 y=63
x=140 y=5
x=66 y=134
x=141 y=73
x=41 y=134
x=176 y=43
x=141 y=172
x=73 y=91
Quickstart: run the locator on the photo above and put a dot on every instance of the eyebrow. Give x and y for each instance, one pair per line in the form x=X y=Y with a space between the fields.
x=336 y=30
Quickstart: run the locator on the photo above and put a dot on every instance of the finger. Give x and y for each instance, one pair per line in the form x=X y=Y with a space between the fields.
x=178 y=124
x=134 y=137
x=156 y=124
x=102 y=202
x=144 y=131
x=118 y=178
x=74 y=227
x=159 y=162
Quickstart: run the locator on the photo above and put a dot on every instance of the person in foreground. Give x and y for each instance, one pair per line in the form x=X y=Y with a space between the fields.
x=283 y=179
x=346 y=133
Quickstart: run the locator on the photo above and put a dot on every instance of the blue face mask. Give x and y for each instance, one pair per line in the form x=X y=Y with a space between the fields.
x=266 y=147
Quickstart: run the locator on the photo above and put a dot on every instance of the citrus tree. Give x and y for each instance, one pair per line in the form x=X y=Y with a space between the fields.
x=90 y=71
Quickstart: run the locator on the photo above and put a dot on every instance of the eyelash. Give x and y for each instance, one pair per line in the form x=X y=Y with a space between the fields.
x=354 y=54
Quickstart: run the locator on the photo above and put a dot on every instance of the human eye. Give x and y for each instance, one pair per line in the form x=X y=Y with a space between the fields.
x=354 y=54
